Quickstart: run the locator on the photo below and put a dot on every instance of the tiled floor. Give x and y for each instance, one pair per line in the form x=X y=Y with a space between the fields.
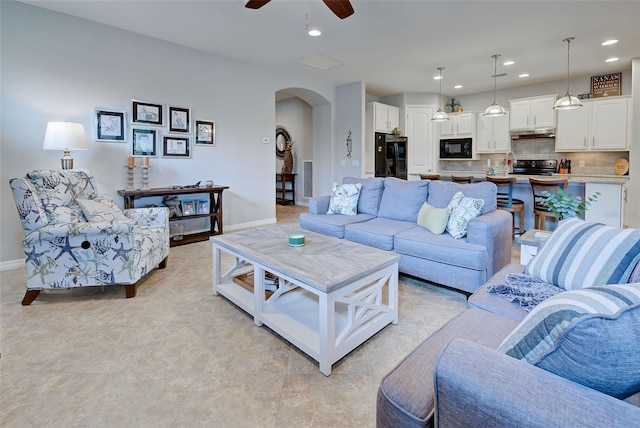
x=177 y=356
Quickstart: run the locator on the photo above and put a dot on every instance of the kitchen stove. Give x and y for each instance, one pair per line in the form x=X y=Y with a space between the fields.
x=535 y=167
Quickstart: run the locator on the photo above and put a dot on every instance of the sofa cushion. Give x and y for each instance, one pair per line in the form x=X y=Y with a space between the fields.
x=102 y=208
x=582 y=254
x=332 y=225
x=377 y=232
x=589 y=336
x=433 y=219
x=462 y=209
x=370 y=193
x=344 y=199
x=406 y=393
x=441 y=193
x=402 y=199
x=421 y=243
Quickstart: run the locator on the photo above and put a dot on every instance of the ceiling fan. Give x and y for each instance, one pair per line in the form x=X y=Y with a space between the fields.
x=342 y=8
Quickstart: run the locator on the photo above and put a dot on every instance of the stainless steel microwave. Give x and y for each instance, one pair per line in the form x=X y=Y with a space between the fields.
x=456 y=148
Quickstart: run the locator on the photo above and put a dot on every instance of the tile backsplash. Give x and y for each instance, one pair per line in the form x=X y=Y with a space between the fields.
x=595 y=163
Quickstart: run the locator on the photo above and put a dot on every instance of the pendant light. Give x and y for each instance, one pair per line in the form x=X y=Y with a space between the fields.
x=494 y=109
x=568 y=101
x=440 y=116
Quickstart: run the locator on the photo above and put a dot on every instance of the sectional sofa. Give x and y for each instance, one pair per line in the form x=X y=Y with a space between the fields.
x=573 y=361
x=386 y=218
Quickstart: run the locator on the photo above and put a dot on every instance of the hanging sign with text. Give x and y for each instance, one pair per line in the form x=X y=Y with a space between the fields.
x=606 y=85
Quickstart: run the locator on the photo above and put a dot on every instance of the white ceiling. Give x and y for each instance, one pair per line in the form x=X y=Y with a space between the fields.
x=394 y=46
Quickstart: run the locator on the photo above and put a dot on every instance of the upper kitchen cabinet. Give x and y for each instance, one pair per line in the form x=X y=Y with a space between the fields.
x=385 y=117
x=461 y=125
x=492 y=134
x=601 y=124
x=532 y=114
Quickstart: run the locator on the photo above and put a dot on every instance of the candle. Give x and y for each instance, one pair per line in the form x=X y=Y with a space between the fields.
x=131 y=161
x=145 y=161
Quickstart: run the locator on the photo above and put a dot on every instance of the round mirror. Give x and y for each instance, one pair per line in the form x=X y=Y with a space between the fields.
x=282 y=136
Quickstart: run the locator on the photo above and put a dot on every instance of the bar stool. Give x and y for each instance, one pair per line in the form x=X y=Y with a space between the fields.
x=430 y=176
x=540 y=211
x=507 y=202
x=461 y=179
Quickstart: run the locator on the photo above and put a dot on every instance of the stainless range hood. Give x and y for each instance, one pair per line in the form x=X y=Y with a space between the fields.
x=530 y=135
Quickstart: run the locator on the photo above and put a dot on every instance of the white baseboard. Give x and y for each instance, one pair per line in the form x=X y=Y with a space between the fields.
x=11 y=264
x=239 y=226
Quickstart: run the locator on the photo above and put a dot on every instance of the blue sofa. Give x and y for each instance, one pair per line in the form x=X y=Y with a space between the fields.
x=457 y=378
x=386 y=218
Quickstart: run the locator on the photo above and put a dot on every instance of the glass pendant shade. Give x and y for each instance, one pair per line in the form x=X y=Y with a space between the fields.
x=568 y=101
x=494 y=110
x=440 y=116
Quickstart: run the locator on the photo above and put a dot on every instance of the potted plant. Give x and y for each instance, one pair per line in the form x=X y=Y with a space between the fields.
x=565 y=205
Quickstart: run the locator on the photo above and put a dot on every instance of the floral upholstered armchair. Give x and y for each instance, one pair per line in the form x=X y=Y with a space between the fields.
x=74 y=238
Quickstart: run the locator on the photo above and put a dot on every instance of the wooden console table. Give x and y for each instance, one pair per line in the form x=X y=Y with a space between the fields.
x=282 y=191
x=215 y=208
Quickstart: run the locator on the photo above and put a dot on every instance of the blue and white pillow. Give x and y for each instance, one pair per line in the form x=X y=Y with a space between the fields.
x=583 y=254
x=344 y=199
x=462 y=209
x=589 y=336
x=101 y=209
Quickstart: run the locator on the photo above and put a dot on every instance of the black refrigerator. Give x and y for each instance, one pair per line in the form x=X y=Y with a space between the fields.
x=391 y=155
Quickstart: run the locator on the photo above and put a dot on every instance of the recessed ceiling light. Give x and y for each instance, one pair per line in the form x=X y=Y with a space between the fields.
x=437 y=78
x=523 y=75
x=609 y=42
x=508 y=63
x=314 y=32
x=457 y=87
x=614 y=59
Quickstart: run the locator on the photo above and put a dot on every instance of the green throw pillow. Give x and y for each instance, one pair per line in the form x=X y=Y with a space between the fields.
x=433 y=219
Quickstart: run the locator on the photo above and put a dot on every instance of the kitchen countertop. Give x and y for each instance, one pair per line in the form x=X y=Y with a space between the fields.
x=524 y=178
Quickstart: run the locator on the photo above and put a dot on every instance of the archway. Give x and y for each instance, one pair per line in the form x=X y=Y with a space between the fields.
x=307 y=117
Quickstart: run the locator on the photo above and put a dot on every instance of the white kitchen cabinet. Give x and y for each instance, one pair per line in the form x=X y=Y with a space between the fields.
x=492 y=134
x=532 y=114
x=598 y=125
x=385 y=117
x=608 y=207
x=459 y=125
x=423 y=157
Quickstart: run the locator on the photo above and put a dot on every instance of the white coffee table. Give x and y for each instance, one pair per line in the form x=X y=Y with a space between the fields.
x=333 y=294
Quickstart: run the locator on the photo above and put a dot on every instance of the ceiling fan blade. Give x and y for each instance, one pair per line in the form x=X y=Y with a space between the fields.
x=255 y=4
x=342 y=8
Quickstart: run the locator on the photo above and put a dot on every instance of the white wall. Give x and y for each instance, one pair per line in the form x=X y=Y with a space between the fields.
x=58 y=67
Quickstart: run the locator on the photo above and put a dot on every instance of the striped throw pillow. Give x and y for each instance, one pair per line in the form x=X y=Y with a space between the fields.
x=583 y=254
x=589 y=336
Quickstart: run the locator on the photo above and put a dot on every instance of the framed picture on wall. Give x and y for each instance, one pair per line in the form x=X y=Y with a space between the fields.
x=176 y=147
x=111 y=125
x=144 y=142
x=147 y=113
x=179 y=119
x=205 y=133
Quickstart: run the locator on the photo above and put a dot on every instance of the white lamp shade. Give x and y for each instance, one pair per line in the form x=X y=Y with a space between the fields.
x=65 y=136
x=567 y=102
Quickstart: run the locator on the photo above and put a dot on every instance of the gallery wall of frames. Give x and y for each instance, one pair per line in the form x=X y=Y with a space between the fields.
x=154 y=130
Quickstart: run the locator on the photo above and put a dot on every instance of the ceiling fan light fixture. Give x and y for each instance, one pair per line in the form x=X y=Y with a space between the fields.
x=495 y=109
x=440 y=116
x=567 y=101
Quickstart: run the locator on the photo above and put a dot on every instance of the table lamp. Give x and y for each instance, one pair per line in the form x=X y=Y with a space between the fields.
x=65 y=136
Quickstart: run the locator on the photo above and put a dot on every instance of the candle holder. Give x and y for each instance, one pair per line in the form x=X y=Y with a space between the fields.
x=145 y=176
x=130 y=172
